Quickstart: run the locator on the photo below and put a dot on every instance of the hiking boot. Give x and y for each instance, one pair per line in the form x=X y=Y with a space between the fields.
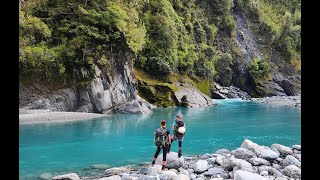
x=152 y=164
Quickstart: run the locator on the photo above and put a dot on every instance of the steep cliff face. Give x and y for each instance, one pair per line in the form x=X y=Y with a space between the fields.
x=248 y=43
x=103 y=94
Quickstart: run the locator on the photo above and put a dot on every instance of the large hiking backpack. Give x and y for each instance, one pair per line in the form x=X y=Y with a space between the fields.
x=160 y=136
x=179 y=123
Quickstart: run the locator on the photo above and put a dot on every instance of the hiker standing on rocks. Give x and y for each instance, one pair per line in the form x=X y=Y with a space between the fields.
x=162 y=140
x=179 y=129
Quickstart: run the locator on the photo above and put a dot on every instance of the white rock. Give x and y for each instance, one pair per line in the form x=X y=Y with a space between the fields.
x=200 y=166
x=153 y=170
x=211 y=160
x=245 y=175
x=243 y=153
x=220 y=159
x=264 y=173
x=283 y=150
x=298 y=156
x=116 y=171
x=290 y=160
x=114 y=177
x=173 y=161
x=297 y=147
x=292 y=171
x=146 y=177
x=168 y=175
x=269 y=154
x=182 y=177
x=70 y=176
x=253 y=147
x=259 y=161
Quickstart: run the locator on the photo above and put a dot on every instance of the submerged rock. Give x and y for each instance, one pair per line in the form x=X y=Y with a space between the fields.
x=100 y=166
x=45 y=176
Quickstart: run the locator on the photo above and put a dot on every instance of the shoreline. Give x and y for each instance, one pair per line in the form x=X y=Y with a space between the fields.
x=289 y=101
x=248 y=161
x=44 y=116
x=47 y=116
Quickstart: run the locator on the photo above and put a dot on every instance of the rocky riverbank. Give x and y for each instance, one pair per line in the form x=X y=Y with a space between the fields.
x=42 y=116
x=248 y=162
x=291 y=101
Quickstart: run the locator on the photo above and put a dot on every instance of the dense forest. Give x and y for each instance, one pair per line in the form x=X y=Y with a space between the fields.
x=164 y=38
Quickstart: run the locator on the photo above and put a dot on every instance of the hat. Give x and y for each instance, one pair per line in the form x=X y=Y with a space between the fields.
x=178 y=116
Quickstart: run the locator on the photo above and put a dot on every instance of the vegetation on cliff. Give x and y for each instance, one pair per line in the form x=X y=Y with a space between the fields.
x=59 y=40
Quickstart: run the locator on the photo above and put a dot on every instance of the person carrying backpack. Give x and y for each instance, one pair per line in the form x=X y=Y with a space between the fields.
x=161 y=140
x=179 y=129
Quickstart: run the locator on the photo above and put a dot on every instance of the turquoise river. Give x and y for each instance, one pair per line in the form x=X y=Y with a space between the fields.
x=126 y=139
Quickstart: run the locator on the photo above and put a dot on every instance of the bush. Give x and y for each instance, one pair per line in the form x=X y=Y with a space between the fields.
x=259 y=70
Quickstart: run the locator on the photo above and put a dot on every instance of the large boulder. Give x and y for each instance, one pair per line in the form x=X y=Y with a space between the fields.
x=283 y=150
x=243 y=153
x=70 y=176
x=116 y=171
x=168 y=175
x=245 y=175
x=192 y=96
x=200 y=166
x=253 y=147
x=173 y=161
x=259 y=161
x=135 y=107
x=268 y=154
x=292 y=171
x=290 y=160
